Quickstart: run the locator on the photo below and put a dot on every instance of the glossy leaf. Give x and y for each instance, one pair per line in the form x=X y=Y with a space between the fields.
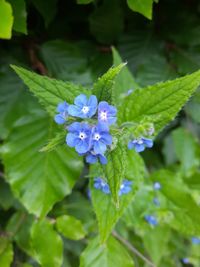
x=47 y=244
x=110 y=254
x=35 y=176
x=143 y=7
x=6 y=256
x=6 y=22
x=70 y=227
x=20 y=15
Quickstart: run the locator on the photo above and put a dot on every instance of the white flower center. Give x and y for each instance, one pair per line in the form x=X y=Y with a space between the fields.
x=85 y=109
x=140 y=142
x=103 y=115
x=82 y=135
x=97 y=136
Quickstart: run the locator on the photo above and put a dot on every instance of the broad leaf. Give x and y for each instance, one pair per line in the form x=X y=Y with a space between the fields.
x=47 y=244
x=144 y=7
x=185 y=208
x=46 y=9
x=106 y=22
x=124 y=81
x=84 y=2
x=66 y=61
x=111 y=254
x=103 y=88
x=6 y=256
x=6 y=198
x=156 y=241
x=19 y=11
x=186 y=149
x=6 y=20
x=106 y=211
x=49 y=91
x=38 y=179
x=70 y=227
x=160 y=102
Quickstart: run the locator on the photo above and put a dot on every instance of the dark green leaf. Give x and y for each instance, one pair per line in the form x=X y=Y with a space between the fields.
x=19 y=12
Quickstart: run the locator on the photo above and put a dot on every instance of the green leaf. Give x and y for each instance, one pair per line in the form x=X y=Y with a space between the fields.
x=156 y=241
x=20 y=15
x=70 y=227
x=38 y=179
x=84 y=2
x=58 y=140
x=6 y=20
x=185 y=208
x=47 y=244
x=186 y=149
x=103 y=88
x=110 y=254
x=106 y=211
x=47 y=9
x=66 y=61
x=143 y=7
x=6 y=256
x=146 y=57
x=159 y=103
x=6 y=198
x=49 y=91
x=106 y=22
x=124 y=81
x=19 y=228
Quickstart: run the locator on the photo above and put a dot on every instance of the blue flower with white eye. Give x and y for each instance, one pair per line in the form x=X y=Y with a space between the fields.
x=79 y=136
x=151 y=219
x=83 y=107
x=156 y=186
x=195 y=240
x=100 y=138
x=125 y=187
x=106 y=113
x=62 y=109
x=92 y=157
x=140 y=144
x=100 y=184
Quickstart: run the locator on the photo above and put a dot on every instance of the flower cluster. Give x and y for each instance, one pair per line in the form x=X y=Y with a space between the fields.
x=100 y=184
x=90 y=137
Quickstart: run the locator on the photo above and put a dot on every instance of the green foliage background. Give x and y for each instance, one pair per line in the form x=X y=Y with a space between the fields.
x=46 y=216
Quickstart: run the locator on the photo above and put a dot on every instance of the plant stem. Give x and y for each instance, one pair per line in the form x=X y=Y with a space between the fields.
x=132 y=248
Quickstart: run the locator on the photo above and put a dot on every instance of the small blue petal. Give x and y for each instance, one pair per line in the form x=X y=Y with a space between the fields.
x=151 y=220
x=74 y=111
x=103 y=159
x=156 y=201
x=99 y=147
x=80 y=100
x=91 y=158
x=59 y=119
x=82 y=146
x=71 y=139
x=147 y=142
x=62 y=107
x=185 y=260
x=139 y=147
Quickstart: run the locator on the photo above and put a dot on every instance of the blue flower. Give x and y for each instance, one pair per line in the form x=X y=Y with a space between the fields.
x=92 y=158
x=195 y=240
x=101 y=138
x=79 y=136
x=185 y=260
x=83 y=107
x=100 y=184
x=157 y=186
x=140 y=144
x=156 y=201
x=125 y=187
x=62 y=108
x=129 y=92
x=106 y=113
x=151 y=220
